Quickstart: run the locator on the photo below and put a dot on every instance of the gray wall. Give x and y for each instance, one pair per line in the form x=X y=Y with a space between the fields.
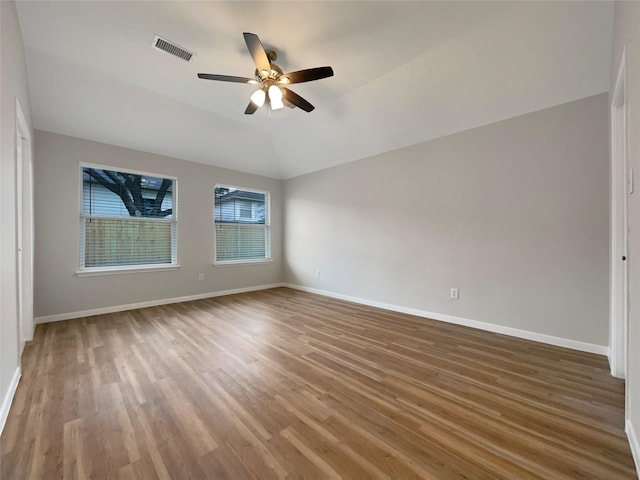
x=514 y=214
x=14 y=86
x=58 y=290
x=627 y=34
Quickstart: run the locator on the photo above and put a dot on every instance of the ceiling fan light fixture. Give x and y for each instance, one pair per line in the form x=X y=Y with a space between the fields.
x=276 y=104
x=258 y=97
x=284 y=80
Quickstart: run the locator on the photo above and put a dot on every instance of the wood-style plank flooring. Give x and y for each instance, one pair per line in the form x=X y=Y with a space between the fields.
x=285 y=384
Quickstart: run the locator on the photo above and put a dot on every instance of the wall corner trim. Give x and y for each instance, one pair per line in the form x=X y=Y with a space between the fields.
x=8 y=398
x=634 y=443
x=152 y=303
x=490 y=327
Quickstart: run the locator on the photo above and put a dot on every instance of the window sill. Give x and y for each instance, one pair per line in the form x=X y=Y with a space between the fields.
x=122 y=270
x=231 y=263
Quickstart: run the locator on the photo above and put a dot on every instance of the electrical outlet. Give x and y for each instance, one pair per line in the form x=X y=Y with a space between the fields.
x=455 y=293
x=201 y=276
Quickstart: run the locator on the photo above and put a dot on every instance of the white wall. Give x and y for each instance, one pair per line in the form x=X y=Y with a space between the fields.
x=13 y=85
x=514 y=214
x=59 y=292
x=627 y=36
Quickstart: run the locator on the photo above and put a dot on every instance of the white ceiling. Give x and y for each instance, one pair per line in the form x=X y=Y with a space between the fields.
x=405 y=72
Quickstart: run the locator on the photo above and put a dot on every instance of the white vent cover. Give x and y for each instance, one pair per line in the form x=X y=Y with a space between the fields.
x=164 y=45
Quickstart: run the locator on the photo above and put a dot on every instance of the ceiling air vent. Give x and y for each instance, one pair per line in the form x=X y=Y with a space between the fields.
x=166 y=46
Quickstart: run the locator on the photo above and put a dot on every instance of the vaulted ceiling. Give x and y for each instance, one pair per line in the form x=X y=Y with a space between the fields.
x=405 y=72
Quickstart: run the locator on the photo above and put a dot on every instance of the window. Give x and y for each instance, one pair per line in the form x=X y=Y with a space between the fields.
x=128 y=220
x=242 y=225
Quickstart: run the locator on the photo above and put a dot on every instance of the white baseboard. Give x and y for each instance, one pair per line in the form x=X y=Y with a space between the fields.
x=152 y=303
x=8 y=398
x=513 y=332
x=634 y=444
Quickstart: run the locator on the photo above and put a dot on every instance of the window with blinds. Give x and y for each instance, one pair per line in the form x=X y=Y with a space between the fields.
x=242 y=225
x=127 y=219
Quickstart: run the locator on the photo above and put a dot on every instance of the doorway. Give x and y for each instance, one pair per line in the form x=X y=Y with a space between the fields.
x=621 y=188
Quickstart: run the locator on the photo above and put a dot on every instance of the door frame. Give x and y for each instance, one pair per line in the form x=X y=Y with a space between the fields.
x=24 y=229
x=621 y=184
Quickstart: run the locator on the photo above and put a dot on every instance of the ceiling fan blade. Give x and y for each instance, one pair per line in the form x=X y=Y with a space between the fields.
x=257 y=51
x=226 y=78
x=297 y=100
x=251 y=109
x=308 y=75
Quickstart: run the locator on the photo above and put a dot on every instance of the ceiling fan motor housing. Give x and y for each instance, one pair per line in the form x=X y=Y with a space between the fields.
x=274 y=74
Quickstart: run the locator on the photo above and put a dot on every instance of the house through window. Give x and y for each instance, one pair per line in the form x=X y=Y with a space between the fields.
x=242 y=225
x=127 y=219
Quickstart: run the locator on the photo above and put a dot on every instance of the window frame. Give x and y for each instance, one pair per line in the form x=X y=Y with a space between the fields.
x=267 y=226
x=119 y=269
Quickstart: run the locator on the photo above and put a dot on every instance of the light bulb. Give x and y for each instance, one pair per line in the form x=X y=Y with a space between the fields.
x=258 y=97
x=275 y=97
x=275 y=94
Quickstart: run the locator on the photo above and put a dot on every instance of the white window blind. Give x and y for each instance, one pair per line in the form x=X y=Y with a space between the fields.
x=242 y=225
x=127 y=219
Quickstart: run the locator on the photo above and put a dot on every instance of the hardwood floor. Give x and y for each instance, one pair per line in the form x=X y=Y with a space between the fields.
x=285 y=384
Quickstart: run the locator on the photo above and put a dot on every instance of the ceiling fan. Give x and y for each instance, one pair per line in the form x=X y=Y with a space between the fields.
x=271 y=80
